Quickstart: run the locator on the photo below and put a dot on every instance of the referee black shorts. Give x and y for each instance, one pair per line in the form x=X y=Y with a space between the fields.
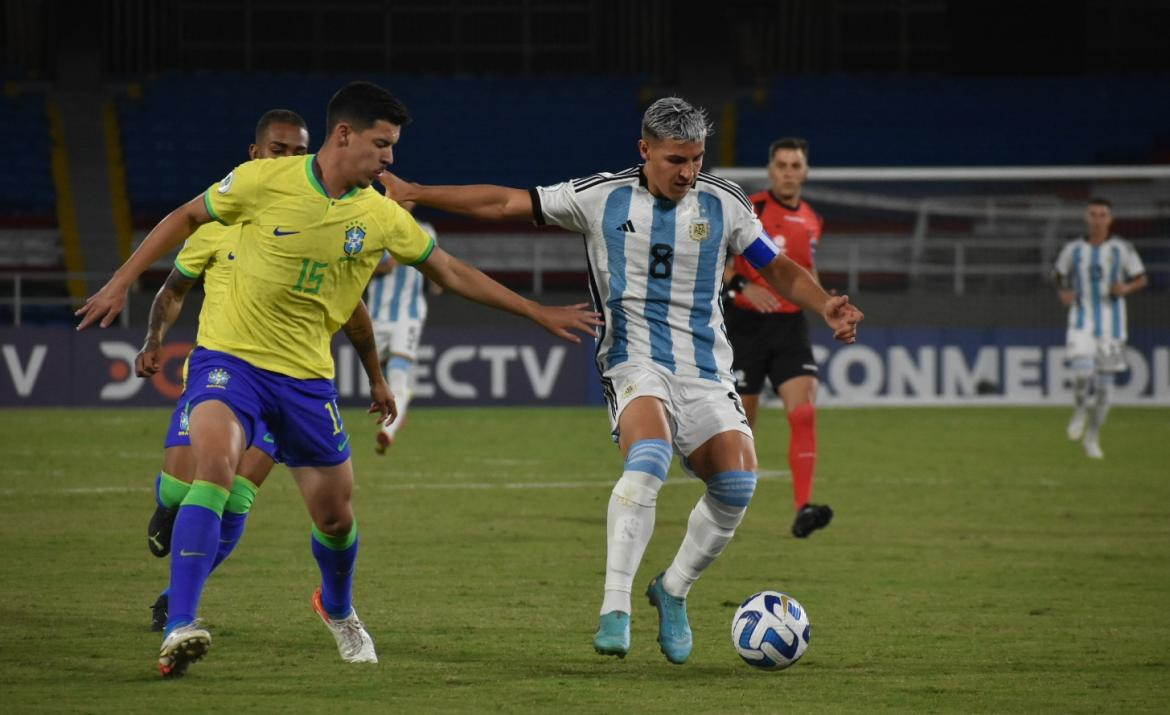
x=771 y=345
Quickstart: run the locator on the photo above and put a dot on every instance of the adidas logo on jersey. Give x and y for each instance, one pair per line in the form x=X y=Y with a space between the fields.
x=627 y=227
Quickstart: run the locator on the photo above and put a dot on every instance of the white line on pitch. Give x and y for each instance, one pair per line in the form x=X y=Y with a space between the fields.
x=454 y=486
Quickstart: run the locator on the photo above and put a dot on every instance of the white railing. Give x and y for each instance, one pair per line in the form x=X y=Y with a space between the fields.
x=17 y=297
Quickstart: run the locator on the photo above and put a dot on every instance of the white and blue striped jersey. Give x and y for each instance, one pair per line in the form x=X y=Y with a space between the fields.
x=1091 y=271
x=656 y=266
x=398 y=295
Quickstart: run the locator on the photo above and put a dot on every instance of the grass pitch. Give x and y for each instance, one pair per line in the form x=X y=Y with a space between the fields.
x=977 y=563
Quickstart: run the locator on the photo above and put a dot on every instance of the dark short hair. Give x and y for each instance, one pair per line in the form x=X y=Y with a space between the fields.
x=797 y=143
x=1101 y=201
x=362 y=104
x=281 y=116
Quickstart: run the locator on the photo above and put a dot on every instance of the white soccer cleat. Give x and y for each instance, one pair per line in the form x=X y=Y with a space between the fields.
x=1093 y=449
x=354 y=644
x=1076 y=426
x=182 y=647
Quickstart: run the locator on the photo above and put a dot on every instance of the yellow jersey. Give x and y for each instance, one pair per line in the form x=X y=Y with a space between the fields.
x=210 y=252
x=302 y=262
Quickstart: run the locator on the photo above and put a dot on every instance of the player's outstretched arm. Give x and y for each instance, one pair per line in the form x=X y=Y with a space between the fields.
x=794 y=283
x=164 y=311
x=360 y=331
x=483 y=201
x=102 y=307
x=471 y=283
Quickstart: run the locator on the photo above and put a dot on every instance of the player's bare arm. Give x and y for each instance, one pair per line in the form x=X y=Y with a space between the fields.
x=483 y=201
x=1124 y=288
x=102 y=307
x=471 y=283
x=795 y=284
x=360 y=331
x=164 y=311
x=759 y=297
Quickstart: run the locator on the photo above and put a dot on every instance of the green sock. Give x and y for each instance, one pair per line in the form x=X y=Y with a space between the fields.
x=169 y=490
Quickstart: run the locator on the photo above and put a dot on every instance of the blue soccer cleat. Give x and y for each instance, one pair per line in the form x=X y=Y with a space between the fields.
x=674 y=631
x=613 y=634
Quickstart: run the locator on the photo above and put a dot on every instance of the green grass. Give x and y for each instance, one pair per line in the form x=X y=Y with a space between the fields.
x=978 y=563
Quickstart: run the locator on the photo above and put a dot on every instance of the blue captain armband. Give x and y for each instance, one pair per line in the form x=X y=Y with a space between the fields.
x=761 y=252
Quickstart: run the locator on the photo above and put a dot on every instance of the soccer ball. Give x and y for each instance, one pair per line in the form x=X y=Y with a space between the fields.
x=770 y=630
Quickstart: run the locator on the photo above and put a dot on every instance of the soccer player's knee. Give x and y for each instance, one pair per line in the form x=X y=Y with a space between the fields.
x=649 y=456
x=733 y=490
x=334 y=523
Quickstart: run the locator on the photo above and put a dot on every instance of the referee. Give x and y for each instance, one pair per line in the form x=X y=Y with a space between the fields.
x=770 y=334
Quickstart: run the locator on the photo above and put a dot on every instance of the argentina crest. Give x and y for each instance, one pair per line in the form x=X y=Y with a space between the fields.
x=355 y=238
x=700 y=229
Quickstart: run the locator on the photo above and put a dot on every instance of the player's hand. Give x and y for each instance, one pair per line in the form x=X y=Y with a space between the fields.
x=148 y=361
x=383 y=403
x=396 y=188
x=843 y=318
x=760 y=297
x=1068 y=296
x=103 y=306
x=1117 y=289
x=560 y=320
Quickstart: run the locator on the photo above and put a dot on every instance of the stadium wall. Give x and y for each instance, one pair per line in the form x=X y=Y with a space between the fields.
x=489 y=365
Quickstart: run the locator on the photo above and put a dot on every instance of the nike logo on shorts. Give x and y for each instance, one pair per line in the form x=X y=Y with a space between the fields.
x=341 y=447
x=184 y=552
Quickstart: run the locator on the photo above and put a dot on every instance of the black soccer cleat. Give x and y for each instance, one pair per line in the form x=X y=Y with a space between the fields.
x=158 y=533
x=159 y=613
x=811 y=517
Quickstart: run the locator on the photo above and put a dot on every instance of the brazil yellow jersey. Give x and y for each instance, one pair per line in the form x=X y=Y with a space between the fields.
x=210 y=252
x=302 y=262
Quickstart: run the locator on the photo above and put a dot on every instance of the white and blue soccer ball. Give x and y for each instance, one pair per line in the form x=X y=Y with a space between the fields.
x=770 y=630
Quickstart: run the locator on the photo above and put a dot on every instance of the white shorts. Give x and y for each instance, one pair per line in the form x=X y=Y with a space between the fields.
x=1106 y=354
x=696 y=409
x=398 y=338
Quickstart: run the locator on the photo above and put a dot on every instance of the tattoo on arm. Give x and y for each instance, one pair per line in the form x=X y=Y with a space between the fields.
x=360 y=331
x=167 y=304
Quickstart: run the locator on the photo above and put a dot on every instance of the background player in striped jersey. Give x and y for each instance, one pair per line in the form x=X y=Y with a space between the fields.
x=657 y=236
x=770 y=334
x=210 y=253
x=1095 y=273
x=398 y=307
x=313 y=231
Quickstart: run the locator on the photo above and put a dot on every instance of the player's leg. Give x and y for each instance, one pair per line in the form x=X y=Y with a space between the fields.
x=217 y=440
x=1080 y=351
x=171 y=484
x=253 y=469
x=170 y=488
x=315 y=447
x=398 y=374
x=727 y=464
x=1098 y=410
x=327 y=492
x=799 y=396
x=644 y=439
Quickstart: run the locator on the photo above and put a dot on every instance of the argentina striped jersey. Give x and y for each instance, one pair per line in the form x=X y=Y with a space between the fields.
x=398 y=295
x=656 y=266
x=1091 y=271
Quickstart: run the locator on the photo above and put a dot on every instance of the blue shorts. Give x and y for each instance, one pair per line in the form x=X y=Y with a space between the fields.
x=301 y=415
x=177 y=435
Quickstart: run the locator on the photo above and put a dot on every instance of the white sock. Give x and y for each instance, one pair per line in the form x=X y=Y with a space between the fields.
x=398 y=376
x=1099 y=408
x=629 y=524
x=711 y=525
